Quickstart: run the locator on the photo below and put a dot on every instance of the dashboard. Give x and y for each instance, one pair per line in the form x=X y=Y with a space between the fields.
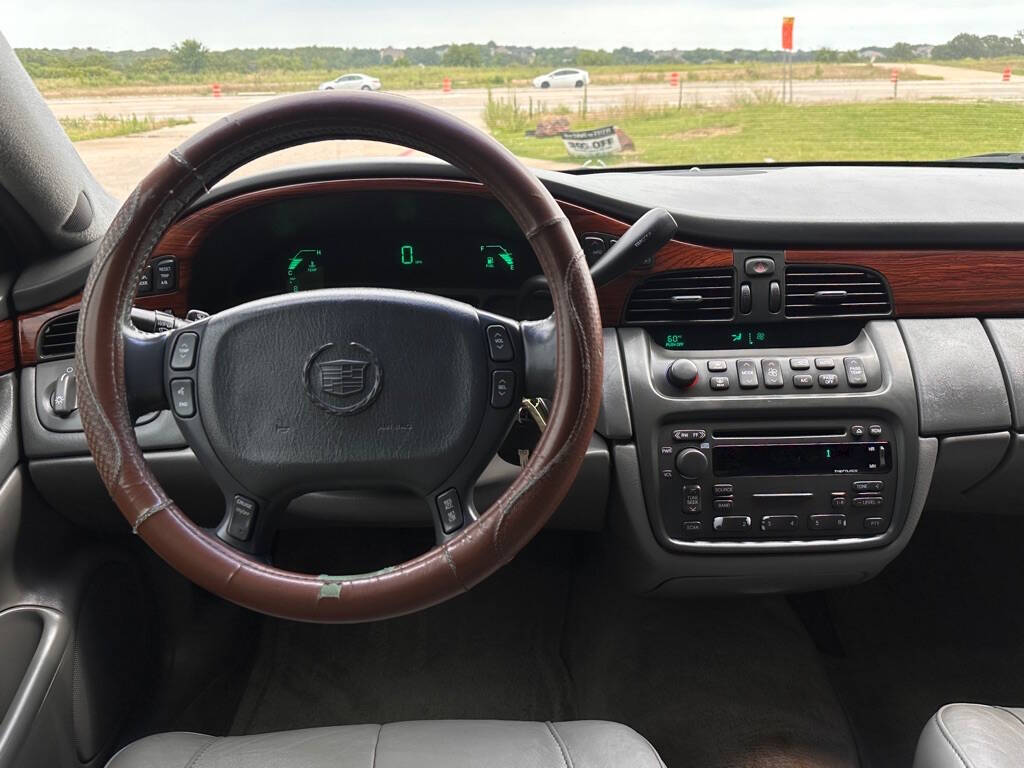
x=784 y=380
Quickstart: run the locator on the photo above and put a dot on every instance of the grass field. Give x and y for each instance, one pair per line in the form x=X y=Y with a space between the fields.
x=106 y=126
x=771 y=132
x=170 y=82
x=1016 y=64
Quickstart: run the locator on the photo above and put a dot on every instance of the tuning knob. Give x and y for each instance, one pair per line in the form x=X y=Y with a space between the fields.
x=691 y=463
x=682 y=373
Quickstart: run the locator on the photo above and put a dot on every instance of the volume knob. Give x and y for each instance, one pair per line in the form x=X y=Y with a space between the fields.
x=682 y=373
x=691 y=463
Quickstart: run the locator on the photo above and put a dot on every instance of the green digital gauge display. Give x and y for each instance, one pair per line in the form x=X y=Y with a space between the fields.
x=304 y=270
x=773 y=335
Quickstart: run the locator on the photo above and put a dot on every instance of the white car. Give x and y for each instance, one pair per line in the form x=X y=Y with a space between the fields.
x=562 y=78
x=353 y=82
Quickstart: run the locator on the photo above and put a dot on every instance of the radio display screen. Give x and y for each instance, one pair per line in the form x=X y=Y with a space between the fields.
x=801 y=459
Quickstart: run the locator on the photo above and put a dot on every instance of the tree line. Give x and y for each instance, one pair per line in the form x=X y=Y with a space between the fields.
x=191 y=56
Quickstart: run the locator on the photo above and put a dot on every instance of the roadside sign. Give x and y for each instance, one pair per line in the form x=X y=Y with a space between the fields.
x=787 y=32
x=595 y=143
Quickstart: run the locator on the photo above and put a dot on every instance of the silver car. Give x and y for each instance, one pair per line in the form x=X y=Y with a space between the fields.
x=352 y=82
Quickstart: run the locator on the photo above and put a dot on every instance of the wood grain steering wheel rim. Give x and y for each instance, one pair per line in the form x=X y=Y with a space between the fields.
x=478 y=549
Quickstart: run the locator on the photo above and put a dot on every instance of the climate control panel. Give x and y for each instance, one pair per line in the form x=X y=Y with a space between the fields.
x=731 y=482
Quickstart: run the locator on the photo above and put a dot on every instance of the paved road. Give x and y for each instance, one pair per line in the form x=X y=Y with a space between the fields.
x=119 y=163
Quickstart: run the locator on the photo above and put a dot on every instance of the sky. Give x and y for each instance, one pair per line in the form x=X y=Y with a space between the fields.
x=138 y=24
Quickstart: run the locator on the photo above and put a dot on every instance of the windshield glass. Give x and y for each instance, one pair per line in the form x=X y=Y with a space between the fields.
x=564 y=85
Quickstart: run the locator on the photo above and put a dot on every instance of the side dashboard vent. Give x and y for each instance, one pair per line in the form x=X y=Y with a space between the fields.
x=683 y=296
x=827 y=291
x=58 y=336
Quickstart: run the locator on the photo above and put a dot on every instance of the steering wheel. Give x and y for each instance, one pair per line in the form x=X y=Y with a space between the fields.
x=338 y=388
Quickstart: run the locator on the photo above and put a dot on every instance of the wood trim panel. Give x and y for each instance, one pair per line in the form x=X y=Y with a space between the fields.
x=8 y=353
x=939 y=283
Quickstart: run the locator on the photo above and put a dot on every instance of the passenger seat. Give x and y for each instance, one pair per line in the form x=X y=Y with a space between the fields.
x=972 y=736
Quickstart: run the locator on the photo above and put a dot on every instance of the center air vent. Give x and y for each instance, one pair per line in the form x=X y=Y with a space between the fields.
x=683 y=296
x=825 y=291
x=58 y=336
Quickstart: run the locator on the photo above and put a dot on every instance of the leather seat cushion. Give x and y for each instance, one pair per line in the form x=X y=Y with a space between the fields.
x=972 y=736
x=448 y=743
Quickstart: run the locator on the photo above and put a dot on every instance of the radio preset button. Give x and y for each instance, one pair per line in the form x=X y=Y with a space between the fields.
x=799 y=363
x=717 y=366
x=828 y=380
x=772 y=372
x=746 y=372
x=826 y=522
x=780 y=523
x=803 y=381
x=732 y=523
x=719 y=382
x=824 y=363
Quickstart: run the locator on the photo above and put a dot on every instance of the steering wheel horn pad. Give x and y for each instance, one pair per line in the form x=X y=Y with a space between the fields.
x=338 y=388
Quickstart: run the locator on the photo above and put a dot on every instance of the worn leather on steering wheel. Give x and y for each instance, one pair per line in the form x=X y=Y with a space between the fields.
x=184 y=175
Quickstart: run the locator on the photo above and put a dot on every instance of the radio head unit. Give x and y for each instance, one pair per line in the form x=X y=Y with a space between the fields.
x=720 y=482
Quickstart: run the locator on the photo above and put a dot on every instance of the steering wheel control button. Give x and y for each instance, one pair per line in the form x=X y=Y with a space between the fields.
x=874 y=524
x=828 y=380
x=868 y=486
x=499 y=343
x=165 y=275
x=682 y=373
x=146 y=281
x=691 y=463
x=184 y=355
x=856 y=376
x=719 y=383
x=689 y=435
x=824 y=363
x=771 y=370
x=717 y=366
x=772 y=523
x=759 y=267
x=799 y=363
x=691 y=499
x=243 y=515
x=503 y=388
x=803 y=380
x=746 y=372
x=732 y=523
x=183 y=397
x=449 y=509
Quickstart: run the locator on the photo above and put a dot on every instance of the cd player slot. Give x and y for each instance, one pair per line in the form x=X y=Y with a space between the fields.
x=760 y=433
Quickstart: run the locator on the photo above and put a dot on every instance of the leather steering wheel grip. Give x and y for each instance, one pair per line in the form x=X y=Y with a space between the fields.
x=189 y=171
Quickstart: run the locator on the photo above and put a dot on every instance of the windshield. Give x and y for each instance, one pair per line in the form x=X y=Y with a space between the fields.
x=564 y=85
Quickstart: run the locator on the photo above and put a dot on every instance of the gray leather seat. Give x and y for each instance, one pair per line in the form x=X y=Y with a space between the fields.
x=422 y=744
x=972 y=736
